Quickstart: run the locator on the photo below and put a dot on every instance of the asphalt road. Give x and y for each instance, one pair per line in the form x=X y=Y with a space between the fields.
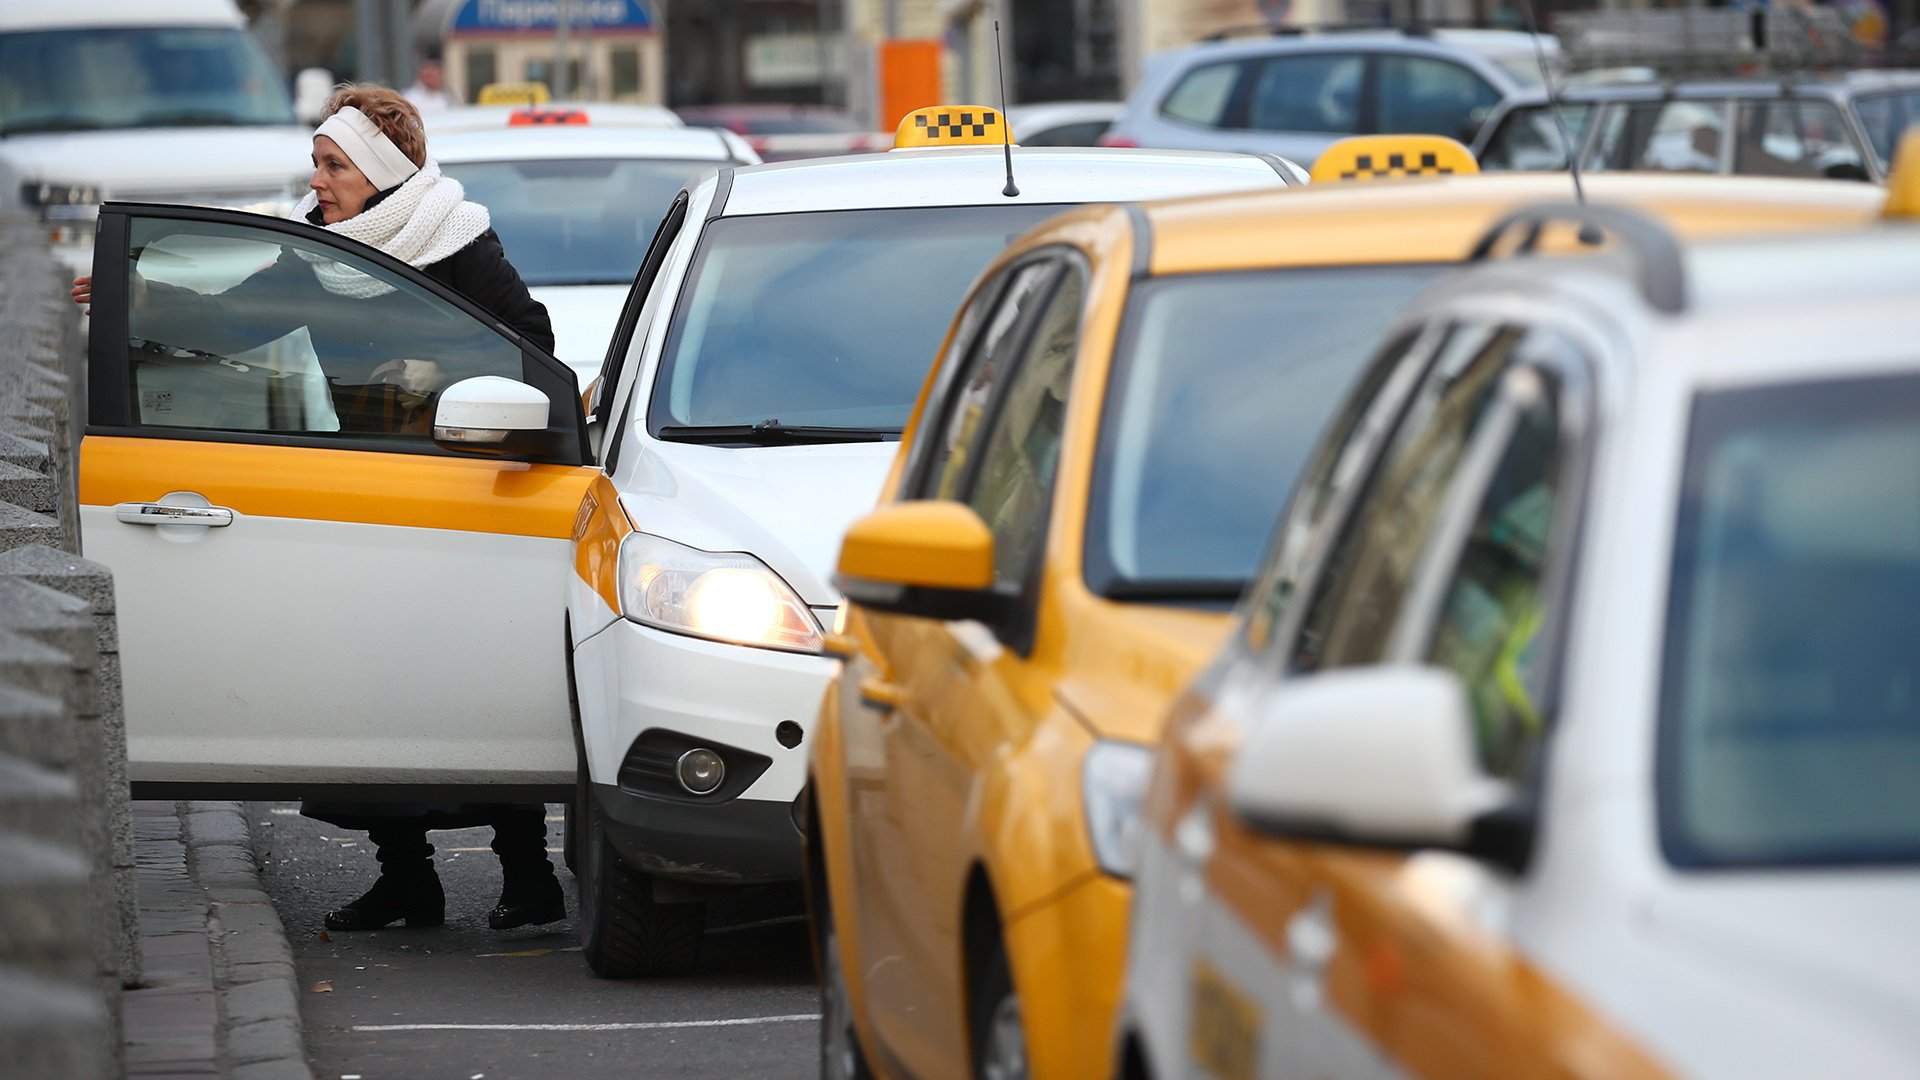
x=464 y=1001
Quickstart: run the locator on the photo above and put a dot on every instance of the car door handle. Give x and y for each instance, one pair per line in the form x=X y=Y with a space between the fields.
x=211 y=517
x=880 y=695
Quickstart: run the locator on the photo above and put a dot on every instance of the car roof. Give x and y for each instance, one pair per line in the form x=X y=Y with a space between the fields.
x=565 y=141
x=1835 y=86
x=1439 y=219
x=496 y=117
x=975 y=175
x=1484 y=43
x=1877 y=264
x=61 y=14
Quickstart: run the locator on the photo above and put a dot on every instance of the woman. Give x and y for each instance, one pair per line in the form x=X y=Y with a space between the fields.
x=373 y=182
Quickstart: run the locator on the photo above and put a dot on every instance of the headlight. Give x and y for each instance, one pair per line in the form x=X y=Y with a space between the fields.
x=725 y=596
x=1114 y=783
x=65 y=201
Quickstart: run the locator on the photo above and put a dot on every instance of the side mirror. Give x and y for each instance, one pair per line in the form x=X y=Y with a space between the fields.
x=930 y=558
x=483 y=412
x=1377 y=756
x=311 y=88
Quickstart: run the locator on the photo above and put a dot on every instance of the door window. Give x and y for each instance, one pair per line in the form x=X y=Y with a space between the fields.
x=1886 y=116
x=1795 y=137
x=1495 y=604
x=1010 y=486
x=1668 y=136
x=1316 y=93
x=1423 y=95
x=973 y=387
x=242 y=329
x=1358 y=596
x=1202 y=95
x=1529 y=139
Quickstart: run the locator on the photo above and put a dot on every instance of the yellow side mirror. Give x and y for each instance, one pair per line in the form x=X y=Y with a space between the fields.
x=923 y=544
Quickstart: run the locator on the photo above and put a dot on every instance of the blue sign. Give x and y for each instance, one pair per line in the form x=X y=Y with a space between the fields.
x=525 y=16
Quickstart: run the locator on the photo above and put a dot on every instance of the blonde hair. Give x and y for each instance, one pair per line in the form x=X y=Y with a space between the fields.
x=394 y=115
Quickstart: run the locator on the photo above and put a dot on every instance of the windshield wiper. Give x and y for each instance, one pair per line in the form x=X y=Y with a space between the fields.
x=771 y=432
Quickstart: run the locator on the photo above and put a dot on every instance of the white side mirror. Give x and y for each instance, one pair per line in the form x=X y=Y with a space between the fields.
x=483 y=411
x=1379 y=755
x=311 y=88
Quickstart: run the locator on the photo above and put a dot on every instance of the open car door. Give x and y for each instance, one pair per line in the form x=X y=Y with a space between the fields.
x=338 y=501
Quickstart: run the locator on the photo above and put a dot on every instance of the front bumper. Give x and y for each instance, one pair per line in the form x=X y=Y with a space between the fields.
x=634 y=679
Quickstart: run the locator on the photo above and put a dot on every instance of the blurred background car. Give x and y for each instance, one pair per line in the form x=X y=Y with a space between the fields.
x=787 y=132
x=1063 y=123
x=1835 y=127
x=600 y=114
x=165 y=101
x=575 y=205
x=1297 y=91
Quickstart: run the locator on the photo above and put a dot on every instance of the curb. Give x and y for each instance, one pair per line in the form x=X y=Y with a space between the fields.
x=223 y=961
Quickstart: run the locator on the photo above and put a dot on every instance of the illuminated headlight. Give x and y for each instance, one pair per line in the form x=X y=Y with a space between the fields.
x=726 y=596
x=1114 y=783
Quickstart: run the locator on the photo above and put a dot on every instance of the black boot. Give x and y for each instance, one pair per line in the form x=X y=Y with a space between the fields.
x=408 y=887
x=531 y=895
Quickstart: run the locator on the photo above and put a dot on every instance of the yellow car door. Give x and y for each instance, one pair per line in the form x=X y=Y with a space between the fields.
x=338 y=500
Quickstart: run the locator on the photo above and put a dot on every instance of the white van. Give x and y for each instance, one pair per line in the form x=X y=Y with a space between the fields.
x=160 y=101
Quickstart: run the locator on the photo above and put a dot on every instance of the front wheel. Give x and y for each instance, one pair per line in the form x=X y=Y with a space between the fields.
x=624 y=932
x=999 y=1035
x=840 y=1056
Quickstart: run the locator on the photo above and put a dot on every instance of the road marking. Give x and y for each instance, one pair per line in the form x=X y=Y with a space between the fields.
x=652 y=1025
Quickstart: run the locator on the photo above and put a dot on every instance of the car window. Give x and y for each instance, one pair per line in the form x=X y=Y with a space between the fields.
x=822 y=319
x=234 y=328
x=1529 y=139
x=1790 y=719
x=1358 y=594
x=1494 y=604
x=1085 y=133
x=1209 y=416
x=1317 y=92
x=1669 y=136
x=1338 y=467
x=1886 y=117
x=1796 y=137
x=138 y=77
x=1428 y=96
x=1009 y=487
x=1202 y=94
x=970 y=391
x=577 y=221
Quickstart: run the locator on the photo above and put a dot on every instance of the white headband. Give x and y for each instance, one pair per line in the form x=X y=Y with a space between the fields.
x=367 y=147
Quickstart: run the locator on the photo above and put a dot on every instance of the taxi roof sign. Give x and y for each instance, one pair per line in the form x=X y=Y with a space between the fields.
x=950 y=125
x=520 y=93
x=1392 y=157
x=535 y=117
x=1903 y=180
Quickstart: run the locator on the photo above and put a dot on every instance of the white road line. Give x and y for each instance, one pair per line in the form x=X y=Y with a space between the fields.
x=656 y=1025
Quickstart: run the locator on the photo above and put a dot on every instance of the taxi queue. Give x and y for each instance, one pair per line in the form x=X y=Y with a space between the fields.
x=1558 y=618
x=1035 y=738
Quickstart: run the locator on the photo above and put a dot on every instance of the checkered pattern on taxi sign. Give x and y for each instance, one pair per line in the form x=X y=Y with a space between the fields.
x=1365 y=168
x=952 y=125
x=1393 y=157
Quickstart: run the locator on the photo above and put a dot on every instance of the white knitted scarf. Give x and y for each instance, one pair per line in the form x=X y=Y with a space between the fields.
x=424 y=221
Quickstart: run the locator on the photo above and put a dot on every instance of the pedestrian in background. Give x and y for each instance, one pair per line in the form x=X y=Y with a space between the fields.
x=373 y=181
x=429 y=90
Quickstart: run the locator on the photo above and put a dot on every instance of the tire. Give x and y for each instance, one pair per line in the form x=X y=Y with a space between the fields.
x=623 y=932
x=576 y=818
x=999 y=1036
x=840 y=1055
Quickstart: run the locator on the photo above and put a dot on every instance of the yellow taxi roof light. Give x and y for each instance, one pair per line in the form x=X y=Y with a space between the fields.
x=1903 y=180
x=520 y=93
x=1392 y=157
x=950 y=125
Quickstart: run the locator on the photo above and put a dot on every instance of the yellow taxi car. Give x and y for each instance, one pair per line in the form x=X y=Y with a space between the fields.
x=1566 y=730
x=1085 y=487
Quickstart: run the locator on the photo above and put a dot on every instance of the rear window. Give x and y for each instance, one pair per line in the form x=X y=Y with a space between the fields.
x=1790 y=690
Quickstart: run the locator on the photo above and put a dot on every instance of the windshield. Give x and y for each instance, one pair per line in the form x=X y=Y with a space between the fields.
x=1790 y=695
x=1886 y=116
x=1221 y=385
x=824 y=319
x=577 y=221
x=82 y=80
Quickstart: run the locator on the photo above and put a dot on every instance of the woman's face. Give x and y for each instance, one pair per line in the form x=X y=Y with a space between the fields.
x=342 y=188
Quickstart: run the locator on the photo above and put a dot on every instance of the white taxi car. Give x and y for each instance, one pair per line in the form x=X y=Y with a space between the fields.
x=1571 y=727
x=575 y=202
x=403 y=559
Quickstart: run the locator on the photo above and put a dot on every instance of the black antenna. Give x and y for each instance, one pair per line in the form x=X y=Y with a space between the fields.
x=1012 y=190
x=1588 y=234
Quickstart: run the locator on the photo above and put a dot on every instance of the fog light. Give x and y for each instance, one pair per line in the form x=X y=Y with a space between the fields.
x=700 y=771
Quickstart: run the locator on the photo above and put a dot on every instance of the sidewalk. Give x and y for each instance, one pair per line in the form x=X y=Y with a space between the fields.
x=219 y=997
